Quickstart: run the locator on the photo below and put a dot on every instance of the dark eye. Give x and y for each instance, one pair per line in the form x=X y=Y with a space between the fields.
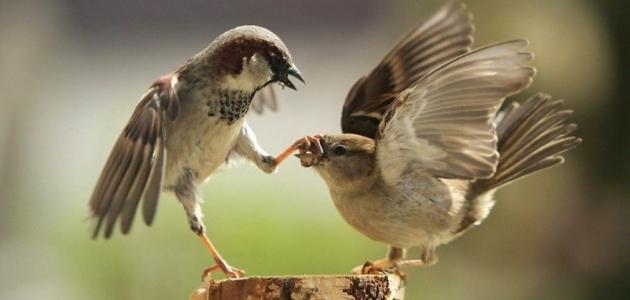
x=340 y=149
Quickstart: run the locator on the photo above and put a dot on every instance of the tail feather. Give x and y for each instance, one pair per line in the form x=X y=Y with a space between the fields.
x=532 y=136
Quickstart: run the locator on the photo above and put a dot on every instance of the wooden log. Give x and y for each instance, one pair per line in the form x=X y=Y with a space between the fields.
x=309 y=287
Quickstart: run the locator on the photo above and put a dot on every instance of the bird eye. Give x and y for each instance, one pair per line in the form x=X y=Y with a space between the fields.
x=340 y=149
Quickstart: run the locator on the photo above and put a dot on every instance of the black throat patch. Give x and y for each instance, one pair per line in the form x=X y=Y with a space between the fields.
x=229 y=105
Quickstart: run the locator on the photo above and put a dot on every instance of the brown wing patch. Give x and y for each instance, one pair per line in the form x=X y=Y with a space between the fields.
x=444 y=36
x=134 y=168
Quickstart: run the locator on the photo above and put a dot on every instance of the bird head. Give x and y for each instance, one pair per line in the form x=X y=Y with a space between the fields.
x=250 y=57
x=343 y=160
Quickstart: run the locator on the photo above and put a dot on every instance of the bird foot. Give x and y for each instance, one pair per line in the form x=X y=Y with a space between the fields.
x=389 y=266
x=379 y=267
x=229 y=271
x=311 y=150
x=220 y=263
x=303 y=145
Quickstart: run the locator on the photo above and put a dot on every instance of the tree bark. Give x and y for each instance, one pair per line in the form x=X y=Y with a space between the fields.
x=313 y=287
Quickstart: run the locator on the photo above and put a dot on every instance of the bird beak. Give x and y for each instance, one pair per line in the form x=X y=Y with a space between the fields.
x=308 y=159
x=295 y=72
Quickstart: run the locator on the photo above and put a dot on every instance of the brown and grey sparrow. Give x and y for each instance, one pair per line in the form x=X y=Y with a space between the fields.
x=424 y=148
x=188 y=124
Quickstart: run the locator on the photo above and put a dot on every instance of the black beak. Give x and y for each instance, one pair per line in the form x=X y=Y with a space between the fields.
x=293 y=71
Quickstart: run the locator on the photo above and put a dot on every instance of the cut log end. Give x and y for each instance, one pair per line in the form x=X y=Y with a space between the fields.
x=308 y=287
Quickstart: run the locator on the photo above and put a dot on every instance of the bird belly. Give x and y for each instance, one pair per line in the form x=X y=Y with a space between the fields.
x=422 y=216
x=199 y=146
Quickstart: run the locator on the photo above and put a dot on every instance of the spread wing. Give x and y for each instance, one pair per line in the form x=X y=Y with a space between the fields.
x=446 y=35
x=444 y=123
x=265 y=98
x=136 y=164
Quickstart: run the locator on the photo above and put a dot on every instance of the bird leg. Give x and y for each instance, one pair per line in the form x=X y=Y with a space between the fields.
x=307 y=143
x=189 y=196
x=198 y=228
x=196 y=225
x=395 y=261
x=221 y=264
x=385 y=265
x=427 y=258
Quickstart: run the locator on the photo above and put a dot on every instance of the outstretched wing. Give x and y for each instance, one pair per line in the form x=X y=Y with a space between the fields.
x=136 y=164
x=265 y=98
x=444 y=123
x=446 y=35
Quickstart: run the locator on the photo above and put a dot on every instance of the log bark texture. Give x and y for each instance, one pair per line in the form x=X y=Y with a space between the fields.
x=315 y=287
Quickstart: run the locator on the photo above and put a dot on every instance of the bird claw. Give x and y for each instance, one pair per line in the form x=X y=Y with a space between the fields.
x=233 y=273
x=379 y=267
x=311 y=150
x=303 y=145
x=229 y=271
x=392 y=266
x=310 y=143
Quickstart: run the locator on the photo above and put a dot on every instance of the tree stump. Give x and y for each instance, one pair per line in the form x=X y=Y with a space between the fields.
x=315 y=287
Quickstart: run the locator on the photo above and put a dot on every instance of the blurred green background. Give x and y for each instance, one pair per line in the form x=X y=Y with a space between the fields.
x=71 y=71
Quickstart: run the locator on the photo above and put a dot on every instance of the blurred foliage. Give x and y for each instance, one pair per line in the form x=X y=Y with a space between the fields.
x=71 y=71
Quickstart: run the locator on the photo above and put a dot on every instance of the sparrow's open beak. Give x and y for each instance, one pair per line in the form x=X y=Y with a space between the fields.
x=309 y=159
x=295 y=72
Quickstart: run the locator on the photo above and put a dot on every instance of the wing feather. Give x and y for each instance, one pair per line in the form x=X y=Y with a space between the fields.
x=154 y=185
x=135 y=166
x=444 y=122
x=444 y=36
x=265 y=98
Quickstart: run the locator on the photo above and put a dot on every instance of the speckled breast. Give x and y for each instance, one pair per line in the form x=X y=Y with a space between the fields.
x=204 y=133
x=229 y=105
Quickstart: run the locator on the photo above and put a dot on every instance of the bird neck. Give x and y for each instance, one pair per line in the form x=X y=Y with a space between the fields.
x=344 y=185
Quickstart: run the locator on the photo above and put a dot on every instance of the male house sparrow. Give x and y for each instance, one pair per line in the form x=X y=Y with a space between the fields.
x=420 y=159
x=188 y=124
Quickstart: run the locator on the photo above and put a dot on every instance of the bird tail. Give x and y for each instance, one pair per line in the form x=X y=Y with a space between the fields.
x=531 y=137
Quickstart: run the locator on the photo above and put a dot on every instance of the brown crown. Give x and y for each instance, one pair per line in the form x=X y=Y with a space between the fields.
x=243 y=42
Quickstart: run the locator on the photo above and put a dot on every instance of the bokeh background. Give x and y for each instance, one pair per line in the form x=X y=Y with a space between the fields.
x=71 y=71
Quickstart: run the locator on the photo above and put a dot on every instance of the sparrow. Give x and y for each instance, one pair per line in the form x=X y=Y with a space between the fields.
x=424 y=147
x=189 y=123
